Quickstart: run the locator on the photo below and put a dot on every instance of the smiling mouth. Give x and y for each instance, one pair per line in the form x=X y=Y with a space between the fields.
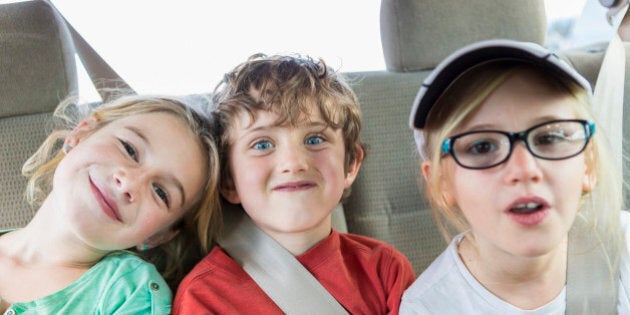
x=295 y=186
x=105 y=204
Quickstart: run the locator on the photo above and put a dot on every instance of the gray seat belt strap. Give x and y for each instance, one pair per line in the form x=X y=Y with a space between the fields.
x=592 y=284
x=592 y=273
x=293 y=288
x=103 y=76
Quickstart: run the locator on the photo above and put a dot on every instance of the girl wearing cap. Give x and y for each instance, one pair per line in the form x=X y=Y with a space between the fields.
x=514 y=167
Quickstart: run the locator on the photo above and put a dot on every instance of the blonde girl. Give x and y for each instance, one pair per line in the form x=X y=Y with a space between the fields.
x=512 y=163
x=140 y=173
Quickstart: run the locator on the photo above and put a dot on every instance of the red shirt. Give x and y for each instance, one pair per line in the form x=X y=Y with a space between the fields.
x=365 y=275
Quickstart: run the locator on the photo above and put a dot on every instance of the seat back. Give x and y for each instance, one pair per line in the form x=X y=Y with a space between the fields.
x=37 y=70
x=587 y=60
x=386 y=202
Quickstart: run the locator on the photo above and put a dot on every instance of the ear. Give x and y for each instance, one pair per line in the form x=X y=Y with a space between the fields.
x=158 y=239
x=426 y=170
x=230 y=195
x=445 y=188
x=79 y=132
x=353 y=167
x=590 y=173
x=589 y=180
x=228 y=191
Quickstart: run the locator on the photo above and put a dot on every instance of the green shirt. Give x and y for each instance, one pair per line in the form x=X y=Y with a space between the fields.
x=120 y=283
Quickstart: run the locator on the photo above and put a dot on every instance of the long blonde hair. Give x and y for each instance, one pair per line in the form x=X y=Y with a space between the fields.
x=599 y=207
x=200 y=224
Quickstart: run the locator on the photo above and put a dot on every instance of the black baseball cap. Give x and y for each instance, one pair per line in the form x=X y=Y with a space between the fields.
x=451 y=68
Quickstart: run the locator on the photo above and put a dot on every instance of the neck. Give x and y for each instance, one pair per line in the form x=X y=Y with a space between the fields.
x=47 y=240
x=299 y=242
x=525 y=282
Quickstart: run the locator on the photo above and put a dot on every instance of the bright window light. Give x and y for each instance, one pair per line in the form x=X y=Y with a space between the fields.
x=184 y=47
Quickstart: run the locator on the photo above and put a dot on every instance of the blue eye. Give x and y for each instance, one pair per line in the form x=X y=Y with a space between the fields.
x=314 y=140
x=131 y=151
x=161 y=194
x=263 y=145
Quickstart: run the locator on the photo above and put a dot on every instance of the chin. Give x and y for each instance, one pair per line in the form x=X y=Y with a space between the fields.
x=536 y=250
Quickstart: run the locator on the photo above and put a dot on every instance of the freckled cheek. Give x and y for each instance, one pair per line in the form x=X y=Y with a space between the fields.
x=333 y=167
x=247 y=176
x=245 y=171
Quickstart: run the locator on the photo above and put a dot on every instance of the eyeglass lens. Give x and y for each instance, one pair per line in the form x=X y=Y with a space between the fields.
x=553 y=140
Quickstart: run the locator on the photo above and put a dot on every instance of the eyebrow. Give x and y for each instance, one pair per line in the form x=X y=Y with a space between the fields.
x=169 y=177
x=309 y=124
x=539 y=120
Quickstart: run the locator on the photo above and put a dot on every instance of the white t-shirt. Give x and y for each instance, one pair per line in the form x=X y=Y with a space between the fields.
x=447 y=287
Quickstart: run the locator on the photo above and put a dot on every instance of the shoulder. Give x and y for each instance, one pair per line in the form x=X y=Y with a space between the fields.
x=372 y=254
x=132 y=285
x=124 y=264
x=437 y=282
x=364 y=245
x=377 y=252
x=218 y=285
x=216 y=267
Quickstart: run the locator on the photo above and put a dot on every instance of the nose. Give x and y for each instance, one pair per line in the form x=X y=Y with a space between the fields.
x=293 y=159
x=127 y=183
x=522 y=166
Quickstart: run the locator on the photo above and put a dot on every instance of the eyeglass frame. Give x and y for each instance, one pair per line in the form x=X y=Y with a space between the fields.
x=448 y=143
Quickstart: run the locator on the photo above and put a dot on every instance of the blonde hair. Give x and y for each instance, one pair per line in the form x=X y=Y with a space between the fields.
x=291 y=87
x=467 y=94
x=200 y=224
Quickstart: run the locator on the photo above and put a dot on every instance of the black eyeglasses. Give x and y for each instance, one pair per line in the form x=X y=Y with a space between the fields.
x=552 y=140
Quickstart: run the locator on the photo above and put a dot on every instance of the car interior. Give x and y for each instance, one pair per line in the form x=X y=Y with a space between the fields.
x=38 y=69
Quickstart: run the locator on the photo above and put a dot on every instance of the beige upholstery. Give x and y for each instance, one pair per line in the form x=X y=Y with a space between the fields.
x=385 y=202
x=418 y=34
x=37 y=69
x=587 y=60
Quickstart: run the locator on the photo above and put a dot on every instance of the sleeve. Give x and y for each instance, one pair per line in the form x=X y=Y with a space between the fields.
x=139 y=290
x=190 y=298
x=398 y=275
x=218 y=285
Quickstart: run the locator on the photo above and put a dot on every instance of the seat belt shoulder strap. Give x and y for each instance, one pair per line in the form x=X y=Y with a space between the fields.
x=285 y=280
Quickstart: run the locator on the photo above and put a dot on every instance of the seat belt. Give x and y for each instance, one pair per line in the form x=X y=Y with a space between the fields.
x=107 y=81
x=592 y=283
x=275 y=270
x=283 y=278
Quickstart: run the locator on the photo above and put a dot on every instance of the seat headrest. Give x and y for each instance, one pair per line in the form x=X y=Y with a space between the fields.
x=418 y=34
x=37 y=65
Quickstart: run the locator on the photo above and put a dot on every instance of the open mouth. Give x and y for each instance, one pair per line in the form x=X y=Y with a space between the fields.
x=526 y=208
x=530 y=212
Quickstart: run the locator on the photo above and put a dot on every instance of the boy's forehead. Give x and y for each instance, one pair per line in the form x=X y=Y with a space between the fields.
x=260 y=117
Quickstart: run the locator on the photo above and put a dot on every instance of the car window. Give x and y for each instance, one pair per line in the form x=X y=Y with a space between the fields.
x=184 y=47
x=577 y=23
